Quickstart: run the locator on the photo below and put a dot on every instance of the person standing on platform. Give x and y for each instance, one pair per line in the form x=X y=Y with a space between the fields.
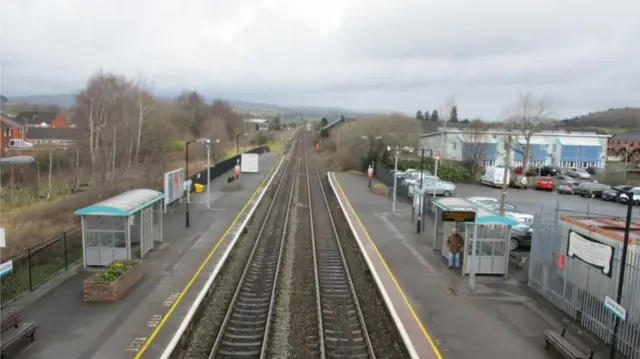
x=454 y=243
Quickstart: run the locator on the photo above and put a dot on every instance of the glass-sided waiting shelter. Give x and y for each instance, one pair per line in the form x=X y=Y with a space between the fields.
x=492 y=230
x=116 y=227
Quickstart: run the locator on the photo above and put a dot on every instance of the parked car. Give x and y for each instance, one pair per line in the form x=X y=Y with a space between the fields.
x=495 y=176
x=519 y=216
x=591 y=189
x=441 y=188
x=520 y=237
x=550 y=171
x=544 y=183
x=483 y=201
x=414 y=177
x=557 y=179
x=496 y=207
x=415 y=183
x=613 y=194
x=579 y=173
x=624 y=199
x=19 y=144
x=590 y=170
x=519 y=181
x=565 y=187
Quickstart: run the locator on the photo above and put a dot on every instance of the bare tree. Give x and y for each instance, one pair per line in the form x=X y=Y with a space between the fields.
x=524 y=118
x=475 y=145
x=145 y=103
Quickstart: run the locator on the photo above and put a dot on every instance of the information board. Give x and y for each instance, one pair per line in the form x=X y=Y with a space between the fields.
x=458 y=216
x=249 y=162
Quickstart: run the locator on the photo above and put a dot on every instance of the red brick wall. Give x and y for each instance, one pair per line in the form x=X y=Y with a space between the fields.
x=59 y=121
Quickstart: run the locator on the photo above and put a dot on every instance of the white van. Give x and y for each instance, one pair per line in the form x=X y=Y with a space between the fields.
x=494 y=176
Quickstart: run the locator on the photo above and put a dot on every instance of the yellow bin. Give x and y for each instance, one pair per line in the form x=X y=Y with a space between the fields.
x=198 y=187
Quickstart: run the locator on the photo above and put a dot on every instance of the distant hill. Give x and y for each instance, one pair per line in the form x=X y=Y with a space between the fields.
x=613 y=118
x=254 y=108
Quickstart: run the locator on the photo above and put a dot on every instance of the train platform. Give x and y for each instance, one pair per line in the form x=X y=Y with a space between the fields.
x=141 y=324
x=441 y=316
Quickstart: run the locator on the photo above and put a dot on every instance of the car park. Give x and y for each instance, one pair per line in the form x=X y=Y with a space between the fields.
x=496 y=206
x=549 y=171
x=440 y=188
x=519 y=181
x=565 y=187
x=544 y=183
x=519 y=216
x=495 y=176
x=483 y=201
x=415 y=183
x=591 y=189
x=579 y=173
x=520 y=237
x=613 y=194
x=565 y=178
x=624 y=198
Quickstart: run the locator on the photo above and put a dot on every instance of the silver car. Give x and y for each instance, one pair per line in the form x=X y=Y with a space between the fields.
x=442 y=188
x=565 y=187
x=579 y=173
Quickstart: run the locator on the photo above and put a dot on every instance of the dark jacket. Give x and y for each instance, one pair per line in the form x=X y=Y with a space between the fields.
x=454 y=243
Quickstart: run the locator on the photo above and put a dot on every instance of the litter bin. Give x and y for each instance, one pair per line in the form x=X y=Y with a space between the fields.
x=198 y=187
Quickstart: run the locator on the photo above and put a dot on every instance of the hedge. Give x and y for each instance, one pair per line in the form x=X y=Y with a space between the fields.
x=447 y=170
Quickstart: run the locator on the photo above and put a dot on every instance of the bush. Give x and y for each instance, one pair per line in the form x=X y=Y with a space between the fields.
x=447 y=170
x=260 y=138
x=177 y=146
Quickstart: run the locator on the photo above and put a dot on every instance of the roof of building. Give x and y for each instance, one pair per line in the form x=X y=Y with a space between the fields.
x=631 y=135
x=483 y=215
x=256 y=120
x=36 y=117
x=8 y=121
x=440 y=130
x=611 y=227
x=534 y=140
x=124 y=204
x=477 y=138
x=578 y=141
x=52 y=133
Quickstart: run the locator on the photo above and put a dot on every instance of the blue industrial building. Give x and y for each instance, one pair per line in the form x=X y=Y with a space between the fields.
x=578 y=152
x=485 y=152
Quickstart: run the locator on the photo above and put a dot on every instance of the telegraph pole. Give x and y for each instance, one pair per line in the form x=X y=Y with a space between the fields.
x=395 y=182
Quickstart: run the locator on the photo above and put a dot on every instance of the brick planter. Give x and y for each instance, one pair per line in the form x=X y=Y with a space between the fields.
x=380 y=190
x=95 y=290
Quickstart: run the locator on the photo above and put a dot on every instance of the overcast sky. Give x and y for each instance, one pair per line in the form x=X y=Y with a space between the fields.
x=367 y=55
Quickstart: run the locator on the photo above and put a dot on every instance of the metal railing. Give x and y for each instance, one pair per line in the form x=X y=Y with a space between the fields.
x=39 y=264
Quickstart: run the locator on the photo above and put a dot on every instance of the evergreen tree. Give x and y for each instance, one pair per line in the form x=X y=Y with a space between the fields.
x=426 y=115
x=453 y=117
x=419 y=115
x=434 y=116
x=323 y=122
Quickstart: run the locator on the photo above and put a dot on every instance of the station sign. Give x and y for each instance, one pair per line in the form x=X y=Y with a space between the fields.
x=615 y=308
x=458 y=216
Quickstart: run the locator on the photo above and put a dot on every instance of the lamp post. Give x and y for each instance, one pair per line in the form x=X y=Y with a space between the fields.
x=621 y=273
x=207 y=142
x=395 y=180
x=186 y=176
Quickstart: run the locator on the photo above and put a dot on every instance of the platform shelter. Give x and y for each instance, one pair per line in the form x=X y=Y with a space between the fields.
x=123 y=227
x=492 y=236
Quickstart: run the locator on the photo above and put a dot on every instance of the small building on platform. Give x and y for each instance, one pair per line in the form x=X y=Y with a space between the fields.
x=123 y=227
x=492 y=233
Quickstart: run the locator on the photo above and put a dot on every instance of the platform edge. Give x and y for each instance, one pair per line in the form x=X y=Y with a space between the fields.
x=207 y=286
x=390 y=306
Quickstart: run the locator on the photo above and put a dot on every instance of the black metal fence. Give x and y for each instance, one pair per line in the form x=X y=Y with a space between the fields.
x=385 y=176
x=38 y=264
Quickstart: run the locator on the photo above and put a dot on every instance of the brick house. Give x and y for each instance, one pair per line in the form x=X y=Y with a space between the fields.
x=42 y=119
x=625 y=143
x=11 y=129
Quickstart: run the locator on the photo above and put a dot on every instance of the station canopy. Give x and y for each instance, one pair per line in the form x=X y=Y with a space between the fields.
x=483 y=215
x=125 y=204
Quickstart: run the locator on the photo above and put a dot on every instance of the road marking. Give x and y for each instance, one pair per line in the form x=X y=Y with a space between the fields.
x=154 y=334
x=423 y=329
x=136 y=344
x=170 y=299
x=155 y=320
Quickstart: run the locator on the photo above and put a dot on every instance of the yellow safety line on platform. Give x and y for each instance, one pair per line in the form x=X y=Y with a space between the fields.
x=151 y=338
x=432 y=342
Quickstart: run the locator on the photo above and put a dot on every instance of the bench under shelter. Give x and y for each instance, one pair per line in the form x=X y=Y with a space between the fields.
x=122 y=227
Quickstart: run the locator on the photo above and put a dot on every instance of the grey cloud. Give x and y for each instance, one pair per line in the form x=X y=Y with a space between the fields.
x=387 y=54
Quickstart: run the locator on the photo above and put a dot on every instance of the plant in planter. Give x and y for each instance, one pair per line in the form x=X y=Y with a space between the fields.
x=109 y=284
x=379 y=188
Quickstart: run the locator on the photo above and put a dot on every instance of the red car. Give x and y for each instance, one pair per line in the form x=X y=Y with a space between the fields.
x=545 y=183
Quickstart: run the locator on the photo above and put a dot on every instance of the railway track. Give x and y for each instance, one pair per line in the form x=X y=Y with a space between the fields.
x=342 y=329
x=245 y=326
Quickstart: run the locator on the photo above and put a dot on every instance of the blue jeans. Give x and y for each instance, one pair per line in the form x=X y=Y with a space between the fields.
x=454 y=260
